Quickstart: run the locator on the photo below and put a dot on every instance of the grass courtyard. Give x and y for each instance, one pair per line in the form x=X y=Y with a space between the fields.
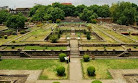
x=34 y=48
x=103 y=65
x=48 y=67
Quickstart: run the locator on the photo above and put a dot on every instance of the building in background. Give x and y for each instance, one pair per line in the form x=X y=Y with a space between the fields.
x=4 y=8
x=66 y=3
x=24 y=11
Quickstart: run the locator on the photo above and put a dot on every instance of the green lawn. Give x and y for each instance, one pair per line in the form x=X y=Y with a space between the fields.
x=3 y=28
x=116 y=35
x=104 y=36
x=102 y=66
x=44 y=48
x=38 y=64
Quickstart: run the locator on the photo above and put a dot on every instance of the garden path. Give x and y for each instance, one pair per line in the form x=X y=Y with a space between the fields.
x=74 y=46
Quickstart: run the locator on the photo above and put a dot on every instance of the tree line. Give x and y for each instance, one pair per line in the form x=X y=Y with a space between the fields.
x=123 y=13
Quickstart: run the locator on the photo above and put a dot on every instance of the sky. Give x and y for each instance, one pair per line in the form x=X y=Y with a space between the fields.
x=31 y=3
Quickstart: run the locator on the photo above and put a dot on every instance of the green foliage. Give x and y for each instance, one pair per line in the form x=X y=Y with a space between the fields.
x=13 y=47
x=14 y=33
x=80 y=8
x=50 y=21
x=93 y=21
x=47 y=17
x=85 y=31
x=5 y=37
x=88 y=15
x=4 y=16
x=88 y=35
x=61 y=57
x=54 y=38
x=16 y=22
x=58 y=20
x=61 y=71
x=103 y=11
x=69 y=10
x=56 y=13
x=96 y=81
x=123 y=13
x=45 y=13
x=22 y=32
x=86 y=58
x=13 y=41
x=85 y=15
x=56 y=82
x=91 y=71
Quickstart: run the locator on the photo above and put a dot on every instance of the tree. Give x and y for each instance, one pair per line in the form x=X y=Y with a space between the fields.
x=56 y=13
x=103 y=11
x=57 y=4
x=54 y=38
x=16 y=22
x=69 y=10
x=88 y=15
x=94 y=8
x=80 y=8
x=123 y=13
x=3 y=16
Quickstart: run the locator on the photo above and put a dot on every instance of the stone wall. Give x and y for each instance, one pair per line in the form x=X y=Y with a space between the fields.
x=34 y=52
x=106 y=53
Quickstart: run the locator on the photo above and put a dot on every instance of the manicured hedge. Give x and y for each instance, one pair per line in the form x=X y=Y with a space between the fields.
x=91 y=71
x=61 y=57
x=86 y=58
x=61 y=71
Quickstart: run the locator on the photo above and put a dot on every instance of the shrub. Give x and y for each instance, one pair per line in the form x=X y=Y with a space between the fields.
x=58 y=20
x=14 y=33
x=88 y=36
x=56 y=82
x=13 y=41
x=91 y=71
x=13 y=47
x=5 y=37
x=104 y=47
x=54 y=38
x=22 y=32
x=86 y=58
x=93 y=21
x=39 y=25
x=96 y=81
x=84 y=32
x=50 y=21
x=61 y=71
x=135 y=47
x=61 y=57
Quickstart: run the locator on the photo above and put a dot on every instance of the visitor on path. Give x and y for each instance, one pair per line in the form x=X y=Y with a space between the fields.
x=67 y=59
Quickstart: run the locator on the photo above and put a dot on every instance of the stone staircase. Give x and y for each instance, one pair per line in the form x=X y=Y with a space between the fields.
x=74 y=48
x=24 y=54
x=124 y=54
